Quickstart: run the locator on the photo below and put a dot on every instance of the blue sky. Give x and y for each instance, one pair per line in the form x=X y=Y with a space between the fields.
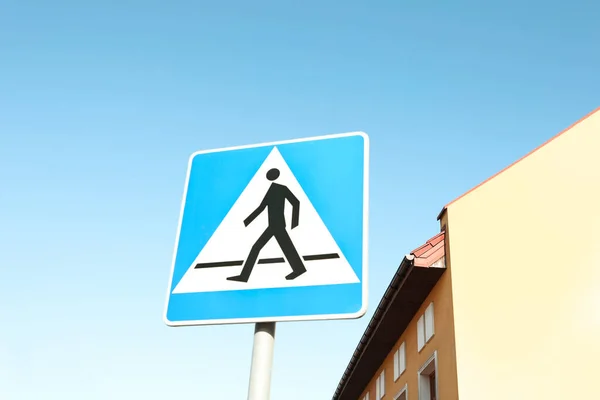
x=102 y=102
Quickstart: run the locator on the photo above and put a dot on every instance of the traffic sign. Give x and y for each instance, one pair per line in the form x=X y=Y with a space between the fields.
x=273 y=232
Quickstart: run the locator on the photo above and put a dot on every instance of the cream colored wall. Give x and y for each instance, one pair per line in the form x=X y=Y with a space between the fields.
x=525 y=252
x=442 y=341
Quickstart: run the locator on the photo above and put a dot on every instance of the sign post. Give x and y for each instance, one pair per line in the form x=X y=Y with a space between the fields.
x=259 y=387
x=272 y=232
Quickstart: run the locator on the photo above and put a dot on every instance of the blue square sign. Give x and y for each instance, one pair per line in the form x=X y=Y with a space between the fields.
x=273 y=232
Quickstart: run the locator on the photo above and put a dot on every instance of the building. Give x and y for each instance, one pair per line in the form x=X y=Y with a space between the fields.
x=504 y=303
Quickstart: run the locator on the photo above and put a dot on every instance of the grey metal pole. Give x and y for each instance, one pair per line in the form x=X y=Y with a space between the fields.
x=262 y=361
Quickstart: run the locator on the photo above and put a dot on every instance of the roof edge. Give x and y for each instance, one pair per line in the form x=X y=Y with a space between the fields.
x=441 y=214
x=405 y=266
x=573 y=125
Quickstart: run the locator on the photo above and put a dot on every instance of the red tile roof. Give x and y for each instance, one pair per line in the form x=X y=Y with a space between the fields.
x=431 y=252
x=520 y=159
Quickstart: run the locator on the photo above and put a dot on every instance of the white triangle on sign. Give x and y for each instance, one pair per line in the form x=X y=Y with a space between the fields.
x=231 y=243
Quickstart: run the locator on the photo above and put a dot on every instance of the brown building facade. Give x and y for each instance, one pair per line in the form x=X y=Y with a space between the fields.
x=408 y=347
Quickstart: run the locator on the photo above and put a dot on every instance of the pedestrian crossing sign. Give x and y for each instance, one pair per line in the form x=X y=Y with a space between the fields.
x=273 y=232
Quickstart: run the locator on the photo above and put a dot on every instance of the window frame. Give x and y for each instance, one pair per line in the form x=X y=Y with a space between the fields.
x=403 y=391
x=429 y=315
x=400 y=361
x=426 y=327
x=380 y=385
x=423 y=375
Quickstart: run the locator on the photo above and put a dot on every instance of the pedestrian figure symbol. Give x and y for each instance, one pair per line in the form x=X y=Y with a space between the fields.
x=274 y=203
x=272 y=224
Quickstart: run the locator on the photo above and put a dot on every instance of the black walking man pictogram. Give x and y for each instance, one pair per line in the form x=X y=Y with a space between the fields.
x=274 y=200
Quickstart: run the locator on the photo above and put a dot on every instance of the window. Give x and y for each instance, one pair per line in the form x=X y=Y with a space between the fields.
x=380 y=386
x=432 y=386
x=399 y=361
x=366 y=396
x=402 y=394
x=425 y=327
x=421 y=332
x=429 y=326
x=428 y=389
